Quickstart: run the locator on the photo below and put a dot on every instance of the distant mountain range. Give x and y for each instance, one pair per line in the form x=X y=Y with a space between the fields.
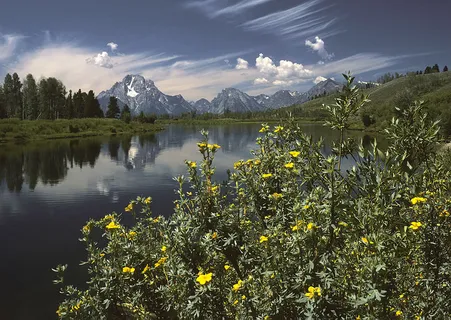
x=142 y=95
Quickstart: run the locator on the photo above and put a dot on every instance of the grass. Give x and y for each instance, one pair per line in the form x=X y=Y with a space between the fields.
x=17 y=130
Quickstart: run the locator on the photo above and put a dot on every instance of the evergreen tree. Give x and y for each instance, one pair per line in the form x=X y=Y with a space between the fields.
x=92 y=106
x=70 y=106
x=30 y=98
x=428 y=70
x=8 y=92
x=3 y=113
x=126 y=114
x=43 y=96
x=79 y=104
x=435 y=69
x=17 y=97
x=113 y=108
x=445 y=69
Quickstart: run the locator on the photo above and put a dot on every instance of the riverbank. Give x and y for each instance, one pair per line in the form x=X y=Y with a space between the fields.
x=16 y=130
x=232 y=120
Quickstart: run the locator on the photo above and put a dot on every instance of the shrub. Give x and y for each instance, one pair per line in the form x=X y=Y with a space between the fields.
x=290 y=235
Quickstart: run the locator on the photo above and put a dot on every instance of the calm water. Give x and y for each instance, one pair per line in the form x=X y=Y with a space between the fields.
x=49 y=189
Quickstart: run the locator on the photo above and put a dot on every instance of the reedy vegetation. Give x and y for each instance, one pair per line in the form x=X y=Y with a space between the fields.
x=290 y=234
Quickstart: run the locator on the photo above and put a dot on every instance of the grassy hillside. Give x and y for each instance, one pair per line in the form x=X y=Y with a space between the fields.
x=14 y=129
x=433 y=89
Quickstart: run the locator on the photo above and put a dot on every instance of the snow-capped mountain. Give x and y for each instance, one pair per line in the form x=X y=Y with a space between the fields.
x=202 y=105
x=142 y=95
x=284 y=98
x=325 y=87
x=262 y=99
x=234 y=100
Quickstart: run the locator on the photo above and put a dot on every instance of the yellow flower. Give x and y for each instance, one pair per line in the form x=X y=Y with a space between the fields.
x=86 y=228
x=237 y=286
x=129 y=207
x=235 y=302
x=415 y=225
x=128 y=270
x=398 y=313
x=343 y=224
x=365 y=240
x=132 y=235
x=112 y=225
x=214 y=235
x=295 y=154
x=146 y=268
x=204 y=278
x=311 y=226
x=267 y=175
x=295 y=228
x=156 y=220
x=163 y=249
x=102 y=255
x=192 y=164
x=263 y=239
x=263 y=129
x=445 y=213
x=266 y=318
x=276 y=195
x=257 y=162
x=278 y=129
x=417 y=200
x=214 y=189
x=358 y=318
x=226 y=267
x=289 y=165
x=201 y=145
x=238 y=164
x=312 y=291
x=243 y=297
x=160 y=262
x=148 y=200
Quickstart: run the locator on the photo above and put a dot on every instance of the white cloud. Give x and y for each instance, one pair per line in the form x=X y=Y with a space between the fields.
x=260 y=81
x=102 y=60
x=213 y=8
x=319 y=79
x=8 y=45
x=320 y=47
x=286 y=73
x=241 y=64
x=299 y=21
x=113 y=46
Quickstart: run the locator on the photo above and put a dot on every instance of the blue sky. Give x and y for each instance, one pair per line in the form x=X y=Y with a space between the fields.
x=198 y=47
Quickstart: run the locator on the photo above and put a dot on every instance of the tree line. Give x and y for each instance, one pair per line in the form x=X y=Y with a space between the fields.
x=387 y=77
x=49 y=99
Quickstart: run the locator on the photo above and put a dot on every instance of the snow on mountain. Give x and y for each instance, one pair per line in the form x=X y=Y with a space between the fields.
x=142 y=95
x=283 y=98
x=202 y=105
x=325 y=87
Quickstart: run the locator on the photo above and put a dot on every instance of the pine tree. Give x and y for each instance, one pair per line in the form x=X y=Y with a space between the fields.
x=79 y=104
x=428 y=70
x=3 y=113
x=30 y=98
x=445 y=69
x=70 y=106
x=113 y=108
x=92 y=106
x=9 y=96
x=17 y=97
x=126 y=114
x=435 y=68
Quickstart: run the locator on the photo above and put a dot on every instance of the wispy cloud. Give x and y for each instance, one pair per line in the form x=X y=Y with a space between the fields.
x=8 y=45
x=113 y=46
x=320 y=47
x=305 y=19
x=216 y=8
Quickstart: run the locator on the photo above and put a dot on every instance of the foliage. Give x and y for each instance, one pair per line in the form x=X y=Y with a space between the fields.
x=113 y=108
x=290 y=235
x=142 y=118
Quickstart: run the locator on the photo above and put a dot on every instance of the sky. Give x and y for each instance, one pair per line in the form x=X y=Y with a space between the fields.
x=199 y=47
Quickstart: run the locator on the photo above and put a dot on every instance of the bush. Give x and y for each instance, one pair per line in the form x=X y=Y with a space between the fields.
x=290 y=235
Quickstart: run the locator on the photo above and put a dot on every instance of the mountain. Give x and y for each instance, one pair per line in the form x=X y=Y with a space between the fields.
x=202 y=105
x=262 y=99
x=284 y=98
x=142 y=95
x=323 y=88
x=234 y=100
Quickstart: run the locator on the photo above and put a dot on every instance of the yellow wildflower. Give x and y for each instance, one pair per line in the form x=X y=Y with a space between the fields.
x=289 y=165
x=226 y=267
x=102 y=255
x=263 y=129
x=148 y=200
x=214 y=235
x=278 y=129
x=417 y=200
x=214 y=189
x=146 y=268
x=358 y=318
x=398 y=313
x=163 y=249
x=238 y=164
x=235 y=302
x=267 y=175
x=257 y=162
x=129 y=207
x=415 y=225
x=276 y=195
x=112 y=225
x=365 y=240
x=311 y=226
x=444 y=213
x=312 y=291
x=204 y=278
x=243 y=297
x=263 y=239
x=237 y=286
x=343 y=224
x=132 y=235
x=128 y=270
x=192 y=164
x=273 y=276
x=201 y=145
x=156 y=220
x=295 y=154
x=160 y=262
x=295 y=228
x=86 y=228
